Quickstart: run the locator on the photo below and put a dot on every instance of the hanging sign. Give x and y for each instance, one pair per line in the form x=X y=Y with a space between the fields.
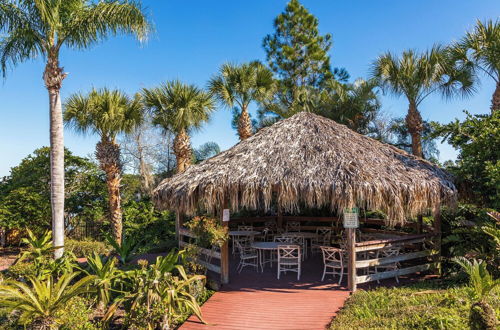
x=351 y=219
x=225 y=215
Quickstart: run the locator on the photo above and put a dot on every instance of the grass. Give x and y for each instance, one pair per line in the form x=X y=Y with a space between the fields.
x=429 y=304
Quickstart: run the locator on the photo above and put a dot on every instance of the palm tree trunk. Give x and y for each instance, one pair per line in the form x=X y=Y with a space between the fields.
x=53 y=77
x=108 y=154
x=415 y=127
x=182 y=150
x=495 y=101
x=244 y=124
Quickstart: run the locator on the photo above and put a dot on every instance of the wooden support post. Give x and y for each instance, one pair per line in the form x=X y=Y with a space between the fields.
x=224 y=251
x=420 y=224
x=437 y=239
x=178 y=224
x=280 y=217
x=351 y=259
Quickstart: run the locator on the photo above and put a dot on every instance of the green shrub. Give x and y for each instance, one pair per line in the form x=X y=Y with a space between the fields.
x=22 y=271
x=85 y=248
x=424 y=305
x=77 y=315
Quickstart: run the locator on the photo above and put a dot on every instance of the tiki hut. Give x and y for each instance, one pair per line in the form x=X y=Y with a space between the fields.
x=315 y=162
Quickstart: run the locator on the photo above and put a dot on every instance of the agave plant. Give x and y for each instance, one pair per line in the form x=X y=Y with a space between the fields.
x=39 y=303
x=482 y=315
x=37 y=247
x=105 y=273
x=125 y=250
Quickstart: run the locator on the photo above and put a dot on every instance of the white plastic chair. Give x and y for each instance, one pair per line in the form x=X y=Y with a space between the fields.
x=289 y=259
x=323 y=238
x=332 y=259
x=248 y=257
x=292 y=226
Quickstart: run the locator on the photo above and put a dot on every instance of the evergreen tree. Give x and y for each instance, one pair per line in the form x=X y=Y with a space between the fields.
x=298 y=54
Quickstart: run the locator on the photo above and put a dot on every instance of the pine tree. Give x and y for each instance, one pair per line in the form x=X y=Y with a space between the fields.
x=298 y=54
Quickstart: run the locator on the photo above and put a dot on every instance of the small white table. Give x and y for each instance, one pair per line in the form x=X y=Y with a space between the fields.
x=243 y=233
x=262 y=247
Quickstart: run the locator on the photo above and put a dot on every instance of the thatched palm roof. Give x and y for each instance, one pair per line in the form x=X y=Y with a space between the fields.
x=310 y=160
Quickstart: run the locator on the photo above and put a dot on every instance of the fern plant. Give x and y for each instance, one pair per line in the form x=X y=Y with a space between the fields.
x=38 y=303
x=482 y=283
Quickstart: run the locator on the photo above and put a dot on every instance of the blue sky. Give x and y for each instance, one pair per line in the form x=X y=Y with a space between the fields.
x=193 y=38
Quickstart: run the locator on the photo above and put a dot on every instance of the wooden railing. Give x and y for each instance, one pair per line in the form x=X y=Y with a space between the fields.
x=209 y=254
x=427 y=257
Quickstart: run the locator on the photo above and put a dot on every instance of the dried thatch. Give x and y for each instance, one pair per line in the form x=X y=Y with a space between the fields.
x=313 y=161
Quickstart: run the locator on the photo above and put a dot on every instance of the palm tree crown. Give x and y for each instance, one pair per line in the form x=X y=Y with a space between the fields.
x=42 y=27
x=239 y=85
x=104 y=112
x=180 y=108
x=416 y=76
x=479 y=50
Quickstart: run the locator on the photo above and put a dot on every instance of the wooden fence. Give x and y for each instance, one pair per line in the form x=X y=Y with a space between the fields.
x=421 y=258
x=207 y=256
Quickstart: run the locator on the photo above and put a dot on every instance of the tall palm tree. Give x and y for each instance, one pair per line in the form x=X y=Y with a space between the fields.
x=480 y=50
x=179 y=108
x=106 y=113
x=40 y=28
x=239 y=85
x=416 y=76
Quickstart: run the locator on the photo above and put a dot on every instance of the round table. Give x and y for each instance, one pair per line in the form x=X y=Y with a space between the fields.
x=243 y=233
x=261 y=247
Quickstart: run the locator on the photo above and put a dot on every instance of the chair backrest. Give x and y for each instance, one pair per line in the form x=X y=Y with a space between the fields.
x=293 y=226
x=331 y=254
x=243 y=245
x=245 y=228
x=283 y=239
x=388 y=252
x=324 y=235
x=271 y=225
x=296 y=239
x=289 y=252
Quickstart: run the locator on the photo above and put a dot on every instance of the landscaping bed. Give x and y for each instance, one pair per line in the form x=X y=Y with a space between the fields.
x=430 y=304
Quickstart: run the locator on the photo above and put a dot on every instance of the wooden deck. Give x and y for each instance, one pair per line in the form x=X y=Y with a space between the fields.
x=259 y=301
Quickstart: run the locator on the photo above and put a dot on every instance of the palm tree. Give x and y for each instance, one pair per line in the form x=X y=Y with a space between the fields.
x=480 y=50
x=416 y=76
x=107 y=113
x=239 y=85
x=40 y=28
x=179 y=108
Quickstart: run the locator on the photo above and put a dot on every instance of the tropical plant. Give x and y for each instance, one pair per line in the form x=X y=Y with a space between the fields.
x=106 y=113
x=104 y=272
x=37 y=247
x=156 y=298
x=416 y=76
x=479 y=49
x=239 y=86
x=125 y=249
x=482 y=315
x=179 y=108
x=39 y=28
x=39 y=303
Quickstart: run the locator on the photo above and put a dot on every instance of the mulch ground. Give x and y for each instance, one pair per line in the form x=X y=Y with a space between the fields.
x=7 y=257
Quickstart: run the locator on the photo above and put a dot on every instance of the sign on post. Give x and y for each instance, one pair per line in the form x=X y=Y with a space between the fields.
x=351 y=219
x=225 y=215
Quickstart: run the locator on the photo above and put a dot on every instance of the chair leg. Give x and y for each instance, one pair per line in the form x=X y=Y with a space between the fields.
x=278 y=271
x=324 y=272
x=341 y=274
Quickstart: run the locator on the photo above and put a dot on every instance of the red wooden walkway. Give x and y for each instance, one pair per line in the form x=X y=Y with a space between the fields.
x=260 y=301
